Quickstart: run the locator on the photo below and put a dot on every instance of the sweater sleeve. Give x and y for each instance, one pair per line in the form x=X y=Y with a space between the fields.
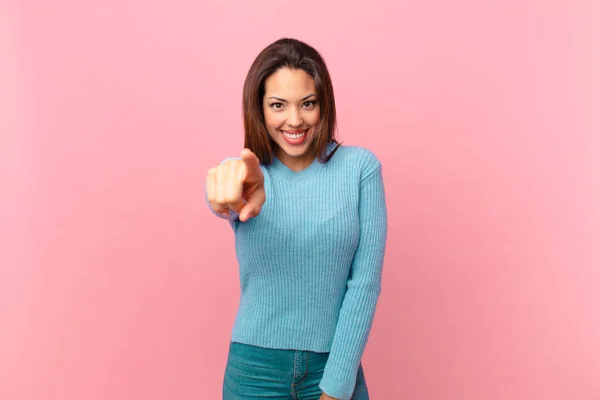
x=233 y=216
x=362 y=292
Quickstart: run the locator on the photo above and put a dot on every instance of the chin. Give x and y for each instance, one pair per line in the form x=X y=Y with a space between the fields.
x=296 y=152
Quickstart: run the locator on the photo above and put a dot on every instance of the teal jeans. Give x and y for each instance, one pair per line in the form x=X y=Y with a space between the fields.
x=259 y=373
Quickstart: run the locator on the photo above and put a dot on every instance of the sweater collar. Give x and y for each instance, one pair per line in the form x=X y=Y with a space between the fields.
x=280 y=168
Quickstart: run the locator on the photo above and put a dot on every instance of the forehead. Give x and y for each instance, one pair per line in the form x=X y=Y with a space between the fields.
x=290 y=82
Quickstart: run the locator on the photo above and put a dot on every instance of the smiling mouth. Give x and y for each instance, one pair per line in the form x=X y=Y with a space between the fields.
x=295 y=134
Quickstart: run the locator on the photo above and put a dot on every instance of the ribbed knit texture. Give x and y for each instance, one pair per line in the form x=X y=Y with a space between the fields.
x=310 y=264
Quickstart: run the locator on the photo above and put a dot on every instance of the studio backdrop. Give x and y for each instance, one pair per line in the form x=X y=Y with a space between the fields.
x=117 y=282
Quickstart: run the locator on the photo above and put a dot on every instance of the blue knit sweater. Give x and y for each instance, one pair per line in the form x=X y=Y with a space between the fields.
x=310 y=263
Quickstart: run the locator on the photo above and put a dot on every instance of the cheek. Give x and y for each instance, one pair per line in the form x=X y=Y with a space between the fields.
x=272 y=120
x=313 y=118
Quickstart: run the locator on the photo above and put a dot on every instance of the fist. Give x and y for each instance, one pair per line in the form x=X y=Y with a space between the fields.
x=237 y=185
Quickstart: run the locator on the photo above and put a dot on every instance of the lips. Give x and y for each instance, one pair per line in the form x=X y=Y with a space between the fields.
x=294 y=137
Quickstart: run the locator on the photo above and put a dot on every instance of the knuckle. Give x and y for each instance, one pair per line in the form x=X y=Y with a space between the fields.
x=220 y=208
x=231 y=163
x=231 y=199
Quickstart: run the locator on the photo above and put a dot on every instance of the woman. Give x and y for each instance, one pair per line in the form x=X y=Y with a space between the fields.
x=310 y=224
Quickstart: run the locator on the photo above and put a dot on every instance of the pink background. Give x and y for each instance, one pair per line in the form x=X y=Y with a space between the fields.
x=116 y=282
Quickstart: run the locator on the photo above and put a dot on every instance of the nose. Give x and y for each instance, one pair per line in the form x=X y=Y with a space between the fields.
x=294 y=119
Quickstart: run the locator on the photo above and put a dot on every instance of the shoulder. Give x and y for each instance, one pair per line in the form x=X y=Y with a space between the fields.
x=358 y=157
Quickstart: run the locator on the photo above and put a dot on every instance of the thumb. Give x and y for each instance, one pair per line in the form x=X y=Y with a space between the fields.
x=253 y=206
x=247 y=213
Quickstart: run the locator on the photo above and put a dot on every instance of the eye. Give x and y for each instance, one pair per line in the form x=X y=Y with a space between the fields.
x=276 y=106
x=310 y=103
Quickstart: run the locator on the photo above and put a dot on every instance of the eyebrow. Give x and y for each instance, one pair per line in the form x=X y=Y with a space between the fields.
x=285 y=101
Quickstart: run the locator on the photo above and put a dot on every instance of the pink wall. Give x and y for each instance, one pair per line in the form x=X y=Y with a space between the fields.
x=117 y=282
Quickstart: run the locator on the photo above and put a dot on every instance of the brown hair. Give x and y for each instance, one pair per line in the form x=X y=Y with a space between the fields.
x=293 y=54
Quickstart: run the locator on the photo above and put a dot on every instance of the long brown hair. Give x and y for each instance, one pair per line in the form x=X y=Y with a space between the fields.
x=293 y=54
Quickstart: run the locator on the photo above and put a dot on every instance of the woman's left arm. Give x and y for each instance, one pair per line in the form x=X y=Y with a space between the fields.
x=363 y=289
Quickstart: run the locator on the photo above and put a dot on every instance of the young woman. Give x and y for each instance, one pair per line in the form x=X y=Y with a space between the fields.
x=310 y=224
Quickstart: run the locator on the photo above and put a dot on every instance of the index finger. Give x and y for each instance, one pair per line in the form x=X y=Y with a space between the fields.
x=252 y=164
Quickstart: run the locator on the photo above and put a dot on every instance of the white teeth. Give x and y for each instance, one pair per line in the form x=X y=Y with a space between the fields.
x=294 y=136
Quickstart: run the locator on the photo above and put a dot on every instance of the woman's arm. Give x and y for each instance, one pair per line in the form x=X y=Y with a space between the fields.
x=363 y=289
